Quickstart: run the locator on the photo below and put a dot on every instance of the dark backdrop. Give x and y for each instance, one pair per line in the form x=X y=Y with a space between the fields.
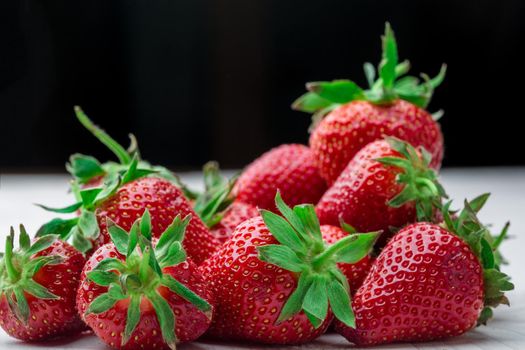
x=199 y=80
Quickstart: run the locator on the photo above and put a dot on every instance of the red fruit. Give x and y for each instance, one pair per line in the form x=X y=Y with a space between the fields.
x=164 y=299
x=236 y=213
x=382 y=187
x=426 y=284
x=43 y=298
x=287 y=168
x=355 y=273
x=393 y=106
x=347 y=129
x=164 y=201
x=280 y=293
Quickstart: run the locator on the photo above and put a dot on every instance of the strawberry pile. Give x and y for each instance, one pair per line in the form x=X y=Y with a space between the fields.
x=353 y=231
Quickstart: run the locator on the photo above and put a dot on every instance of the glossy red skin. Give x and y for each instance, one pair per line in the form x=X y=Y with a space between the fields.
x=237 y=213
x=250 y=293
x=287 y=168
x=426 y=284
x=355 y=273
x=190 y=323
x=347 y=129
x=164 y=201
x=50 y=318
x=361 y=193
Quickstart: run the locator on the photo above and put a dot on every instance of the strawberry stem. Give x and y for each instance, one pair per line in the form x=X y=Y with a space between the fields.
x=119 y=151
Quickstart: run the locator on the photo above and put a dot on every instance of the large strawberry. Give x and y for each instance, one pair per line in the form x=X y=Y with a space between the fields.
x=387 y=184
x=429 y=282
x=124 y=198
x=38 y=284
x=287 y=168
x=216 y=205
x=275 y=281
x=393 y=105
x=136 y=294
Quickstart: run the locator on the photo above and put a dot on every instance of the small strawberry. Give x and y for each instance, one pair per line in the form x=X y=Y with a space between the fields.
x=387 y=184
x=393 y=105
x=355 y=273
x=135 y=296
x=429 y=282
x=277 y=282
x=287 y=168
x=217 y=206
x=38 y=284
x=126 y=192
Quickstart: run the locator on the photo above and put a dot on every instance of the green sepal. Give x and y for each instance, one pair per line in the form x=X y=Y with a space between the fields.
x=87 y=223
x=106 y=301
x=303 y=252
x=65 y=210
x=421 y=185
x=384 y=88
x=187 y=294
x=103 y=278
x=84 y=168
x=166 y=318
x=119 y=236
x=37 y=290
x=132 y=319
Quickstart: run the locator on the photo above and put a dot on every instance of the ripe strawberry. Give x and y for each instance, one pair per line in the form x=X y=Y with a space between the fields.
x=123 y=194
x=287 y=168
x=38 y=284
x=355 y=273
x=387 y=184
x=217 y=206
x=135 y=296
x=429 y=282
x=393 y=105
x=275 y=279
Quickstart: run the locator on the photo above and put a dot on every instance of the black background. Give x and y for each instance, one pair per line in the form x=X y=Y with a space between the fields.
x=199 y=80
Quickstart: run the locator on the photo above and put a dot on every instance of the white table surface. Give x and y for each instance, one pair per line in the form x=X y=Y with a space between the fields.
x=507 y=185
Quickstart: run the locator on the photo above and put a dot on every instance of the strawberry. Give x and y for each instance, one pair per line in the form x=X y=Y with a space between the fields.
x=126 y=192
x=287 y=168
x=387 y=184
x=355 y=273
x=135 y=296
x=217 y=206
x=38 y=284
x=429 y=282
x=277 y=282
x=393 y=105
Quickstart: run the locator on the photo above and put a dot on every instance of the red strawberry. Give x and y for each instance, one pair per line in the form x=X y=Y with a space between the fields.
x=274 y=280
x=217 y=206
x=356 y=117
x=123 y=192
x=428 y=283
x=135 y=296
x=38 y=284
x=287 y=168
x=387 y=184
x=355 y=273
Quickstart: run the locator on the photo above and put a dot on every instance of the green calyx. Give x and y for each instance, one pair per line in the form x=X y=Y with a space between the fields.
x=467 y=226
x=17 y=268
x=421 y=185
x=140 y=275
x=82 y=230
x=391 y=84
x=301 y=249
x=86 y=168
x=216 y=197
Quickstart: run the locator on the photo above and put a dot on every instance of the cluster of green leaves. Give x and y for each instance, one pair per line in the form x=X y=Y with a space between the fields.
x=83 y=229
x=302 y=250
x=421 y=184
x=392 y=83
x=17 y=268
x=141 y=273
x=211 y=204
x=467 y=226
